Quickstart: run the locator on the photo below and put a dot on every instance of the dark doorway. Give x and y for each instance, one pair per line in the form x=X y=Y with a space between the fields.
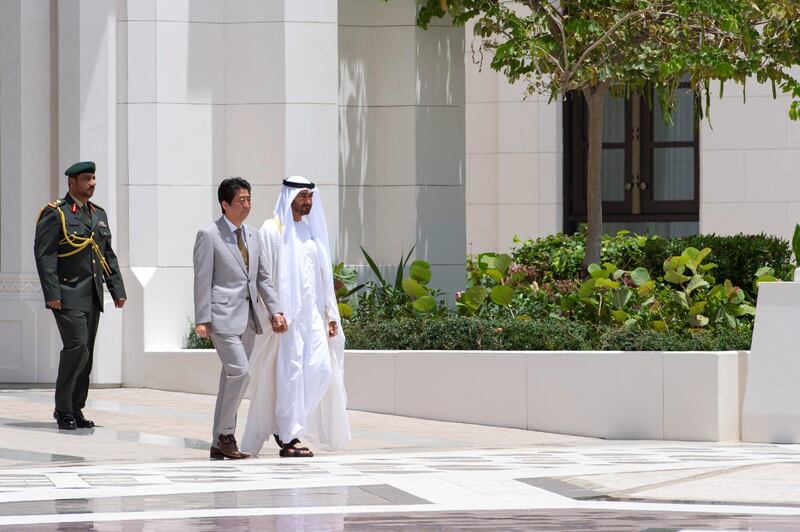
x=650 y=170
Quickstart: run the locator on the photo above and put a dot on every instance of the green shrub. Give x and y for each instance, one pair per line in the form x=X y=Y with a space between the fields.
x=629 y=339
x=685 y=296
x=547 y=335
x=556 y=256
x=738 y=257
x=409 y=297
x=449 y=333
x=465 y=333
x=560 y=256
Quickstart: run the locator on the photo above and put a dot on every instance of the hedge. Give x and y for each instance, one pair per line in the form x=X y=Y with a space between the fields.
x=474 y=334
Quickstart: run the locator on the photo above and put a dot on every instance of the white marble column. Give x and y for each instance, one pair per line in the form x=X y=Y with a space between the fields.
x=27 y=183
x=87 y=130
x=311 y=99
x=25 y=124
x=401 y=145
x=87 y=77
x=210 y=90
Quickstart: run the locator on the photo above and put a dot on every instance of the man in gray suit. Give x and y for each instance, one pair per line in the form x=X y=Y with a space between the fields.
x=230 y=272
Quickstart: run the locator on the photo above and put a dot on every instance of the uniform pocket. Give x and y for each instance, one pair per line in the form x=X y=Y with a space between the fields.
x=71 y=280
x=75 y=228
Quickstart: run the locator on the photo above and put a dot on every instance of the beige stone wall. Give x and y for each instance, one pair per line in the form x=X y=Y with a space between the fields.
x=749 y=160
x=514 y=159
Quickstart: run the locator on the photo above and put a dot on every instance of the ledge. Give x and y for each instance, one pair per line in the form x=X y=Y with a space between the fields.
x=693 y=396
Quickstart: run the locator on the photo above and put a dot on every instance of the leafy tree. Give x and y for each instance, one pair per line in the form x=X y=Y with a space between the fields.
x=622 y=46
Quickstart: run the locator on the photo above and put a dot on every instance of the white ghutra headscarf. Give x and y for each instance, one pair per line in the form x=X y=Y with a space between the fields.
x=288 y=283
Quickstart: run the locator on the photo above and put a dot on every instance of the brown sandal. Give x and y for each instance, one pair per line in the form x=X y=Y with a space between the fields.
x=290 y=450
x=292 y=443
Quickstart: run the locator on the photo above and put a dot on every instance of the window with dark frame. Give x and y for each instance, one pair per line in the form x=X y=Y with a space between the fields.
x=650 y=169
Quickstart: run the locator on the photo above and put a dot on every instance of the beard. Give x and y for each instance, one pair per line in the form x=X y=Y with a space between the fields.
x=303 y=210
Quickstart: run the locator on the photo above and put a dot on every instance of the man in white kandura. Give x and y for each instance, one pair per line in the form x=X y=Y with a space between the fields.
x=298 y=376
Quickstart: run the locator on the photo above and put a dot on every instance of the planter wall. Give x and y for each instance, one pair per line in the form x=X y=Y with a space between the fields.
x=772 y=406
x=616 y=395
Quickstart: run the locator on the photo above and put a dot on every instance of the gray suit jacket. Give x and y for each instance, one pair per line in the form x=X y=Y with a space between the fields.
x=225 y=293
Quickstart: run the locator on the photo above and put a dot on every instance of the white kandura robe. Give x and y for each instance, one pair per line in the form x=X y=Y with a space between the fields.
x=297 y=377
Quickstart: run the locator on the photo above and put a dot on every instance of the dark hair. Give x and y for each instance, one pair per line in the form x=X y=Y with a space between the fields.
x=229 y=187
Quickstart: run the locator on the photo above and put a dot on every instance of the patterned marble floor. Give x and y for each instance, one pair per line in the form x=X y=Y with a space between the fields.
x=572 y=484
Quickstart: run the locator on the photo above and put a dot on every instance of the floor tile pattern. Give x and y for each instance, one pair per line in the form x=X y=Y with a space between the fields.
x=48 y=480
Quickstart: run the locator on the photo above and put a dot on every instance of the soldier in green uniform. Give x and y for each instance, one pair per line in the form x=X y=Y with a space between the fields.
x=73 y=257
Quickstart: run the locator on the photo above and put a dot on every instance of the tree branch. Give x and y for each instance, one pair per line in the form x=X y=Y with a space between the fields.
x=548 y=7
x=603 y=38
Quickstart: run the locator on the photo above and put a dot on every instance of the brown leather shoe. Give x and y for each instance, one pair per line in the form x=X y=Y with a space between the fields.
x=216 y=454
x=226 y=446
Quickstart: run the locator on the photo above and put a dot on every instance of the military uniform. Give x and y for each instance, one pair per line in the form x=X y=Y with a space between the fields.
x=73 y=256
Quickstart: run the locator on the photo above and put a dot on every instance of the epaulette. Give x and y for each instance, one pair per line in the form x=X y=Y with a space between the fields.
x=53 y=205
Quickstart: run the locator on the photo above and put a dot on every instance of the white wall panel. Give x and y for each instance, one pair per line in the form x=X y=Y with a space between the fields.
x=13 y=363
x=359 y=145
x=751 y=218
x=439 y=70
x=597 y=397
x=488 y=388
x=311 y=10
x=392 y=82
x=549 y=220
x=141 y=61
x=516 y=178
x=722 y=176
x=254 y=63
x=481 y=128
x=312 y=74
x=142 y=143
x=758 y=124
x=191 y=10
x=482 y=228
x=440 y=156
x=182 y=210
x=184 y=75
x=143 y=225
x=482 y=169
x=248 y=11
x=517 y=127
x=139 y=10
x=255 y=142
x=516 y=221
x=311 y=140
x=393 y=145
x=191 y=150
x=550 y=178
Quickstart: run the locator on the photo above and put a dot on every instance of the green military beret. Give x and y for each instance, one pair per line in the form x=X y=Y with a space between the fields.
x=80 y=168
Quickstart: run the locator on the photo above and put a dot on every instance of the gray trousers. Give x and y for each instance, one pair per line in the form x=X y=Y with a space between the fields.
x=234 y=352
